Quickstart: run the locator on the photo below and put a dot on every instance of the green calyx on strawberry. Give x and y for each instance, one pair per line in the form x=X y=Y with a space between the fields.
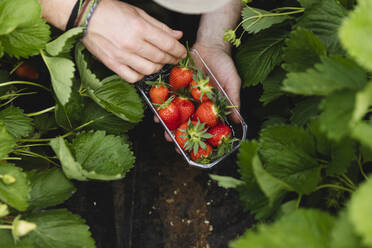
x=169 y=113
x=201 y=88
x=194 y=136
x=222 y=139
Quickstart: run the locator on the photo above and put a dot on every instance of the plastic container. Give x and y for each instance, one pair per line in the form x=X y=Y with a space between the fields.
x=239 y=130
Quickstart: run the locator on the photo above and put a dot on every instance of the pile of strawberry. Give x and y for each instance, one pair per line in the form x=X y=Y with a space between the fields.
x=195 y=110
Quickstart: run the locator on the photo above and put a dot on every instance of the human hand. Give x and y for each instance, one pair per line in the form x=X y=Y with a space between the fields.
x=130 y=42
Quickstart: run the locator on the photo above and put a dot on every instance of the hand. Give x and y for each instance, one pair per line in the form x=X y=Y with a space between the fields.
x=130 y=42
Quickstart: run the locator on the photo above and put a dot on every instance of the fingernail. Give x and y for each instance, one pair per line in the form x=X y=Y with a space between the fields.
x=177 y=32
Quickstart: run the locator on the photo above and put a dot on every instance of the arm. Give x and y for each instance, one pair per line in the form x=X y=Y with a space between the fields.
x=126 y=39
x=216 y=51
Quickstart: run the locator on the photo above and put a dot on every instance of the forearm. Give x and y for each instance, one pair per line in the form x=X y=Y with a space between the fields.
x=213 y=25
x=57 y=12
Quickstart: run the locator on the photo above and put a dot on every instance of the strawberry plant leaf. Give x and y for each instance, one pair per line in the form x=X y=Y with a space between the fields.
x=303 y=49
x=26 y=41
x=226 y=182
x=49 y=188
x=65 y=42
x=305 y=110
x=7 y=142
x=16 y=194
x=103 y=120
x=272 y=87
x=289 y=154
x=120 y=98
x=62 y=74
x=258 y=56
x=335 y=73
x=337 y=114
x=302 y=228
x=324 y=19
x=88 y=78
x=363 y=101
x=356 y=34
x=58 y=228
x=307 y=3
x=247 y=151
x=16 y=122
x=359 y=212
x=343 y=233
x=362 y=131
x=254 y=21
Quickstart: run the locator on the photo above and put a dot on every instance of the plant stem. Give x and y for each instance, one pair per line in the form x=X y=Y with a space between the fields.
x=12 y=158
x=334 y=186
x=298 y=201
x=81 y=126
x=16 y=67
x=288 y=8
x=30 y=145
x=348 y=179
x=9 y=101
x=361 y=166
x=343 y=180
x=17 y=95
x=6 y=227
x=41 y=111
x=24 y=82
x=33 y=154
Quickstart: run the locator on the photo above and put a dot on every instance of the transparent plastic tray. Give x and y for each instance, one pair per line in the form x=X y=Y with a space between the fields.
x=239 y=130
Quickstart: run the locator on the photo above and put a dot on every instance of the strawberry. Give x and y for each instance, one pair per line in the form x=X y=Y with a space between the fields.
x=25 y=70
x=220 y=133
x=202 y=154
x=191 y=135
x=169 y=113
x=201 y=89
x=159 y=91
x=185 y=106
x=180 y=77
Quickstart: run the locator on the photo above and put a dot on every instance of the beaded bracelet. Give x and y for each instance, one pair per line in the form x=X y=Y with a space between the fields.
x=92 y=7
x=74 y=14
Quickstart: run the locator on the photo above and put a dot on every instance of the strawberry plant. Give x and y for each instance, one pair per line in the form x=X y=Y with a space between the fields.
x=306 y=173
x=65 y=121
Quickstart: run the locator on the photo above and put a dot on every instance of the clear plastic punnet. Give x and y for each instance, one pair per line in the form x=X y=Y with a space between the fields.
x=239 y=130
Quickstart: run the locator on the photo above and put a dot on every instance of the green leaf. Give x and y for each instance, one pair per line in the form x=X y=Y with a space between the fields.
x=337 y=114
x=258 y=56
x=16 y=194
x=247 y=151
x=304 y=111
x=288 y=153
x=58 y=228
x=356 y=34
x=7 y=142
x=88 y=78
x=65 y=42
x=363 y=132
x=49 y=188
x=120 y=98
x=226 y=182
x=94 y=155
x=324 y=19
x=26 y=41
x=359 y=212
x=307 y=3
x=363 y=101
x=302 y=228
x=104 y=120
x=303 y=49
x=343 y=234
x=254 y=20
x=16 y=122
x=271 y=186
x=61 y=73
x=335 y=73
x=70 y=115
x=272 y=87
x=1 y=50
x=18 y=13
x=366 y=153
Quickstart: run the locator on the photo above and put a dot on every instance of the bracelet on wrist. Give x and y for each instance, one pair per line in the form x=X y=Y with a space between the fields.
x=88 y=15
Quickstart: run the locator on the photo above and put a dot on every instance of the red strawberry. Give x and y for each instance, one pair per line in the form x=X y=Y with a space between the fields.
x=201 y=153
x=191 y=135
x=180 y=77
x=158 y=92
x=207 y=112
x=25 y=70
x=185 y=106
x=201 y=89
x=220 y=133
x=169 y=113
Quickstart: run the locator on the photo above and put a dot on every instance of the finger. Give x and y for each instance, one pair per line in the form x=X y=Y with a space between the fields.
x=156 y=119
x=124 y=71
x=165 y=42
x=177 y=150
x=156 y=55
x=137 y=63
x=167 y=137
x=151 y=20
x=233 y=91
